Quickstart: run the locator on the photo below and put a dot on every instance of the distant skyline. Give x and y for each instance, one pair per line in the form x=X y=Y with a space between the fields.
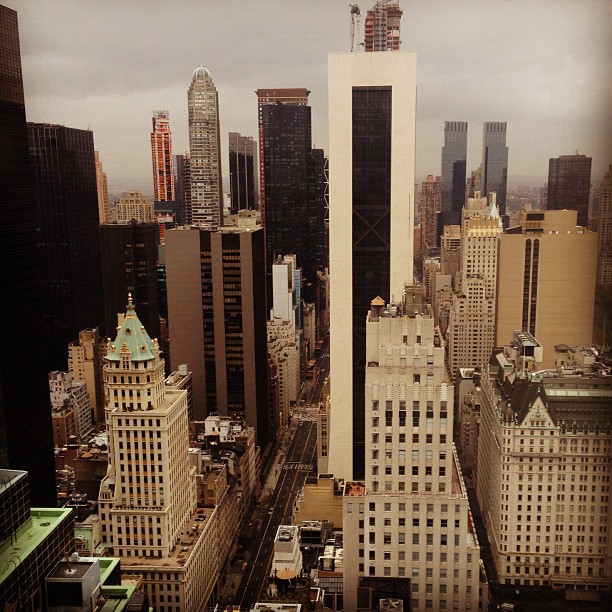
x=542 y=67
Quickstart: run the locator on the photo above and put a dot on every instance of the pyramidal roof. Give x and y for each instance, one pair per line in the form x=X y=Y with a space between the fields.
x=132 y=337
x=493 y=210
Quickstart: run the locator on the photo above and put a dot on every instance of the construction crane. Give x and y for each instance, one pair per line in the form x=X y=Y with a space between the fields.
x=355 y=24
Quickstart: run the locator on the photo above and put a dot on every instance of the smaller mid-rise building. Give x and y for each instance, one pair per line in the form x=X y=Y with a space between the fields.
x=287 y=555
x=70 y=408
x=134 y=205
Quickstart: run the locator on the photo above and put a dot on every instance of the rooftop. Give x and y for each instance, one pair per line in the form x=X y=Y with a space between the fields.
x=131 y=337
x=42 y=523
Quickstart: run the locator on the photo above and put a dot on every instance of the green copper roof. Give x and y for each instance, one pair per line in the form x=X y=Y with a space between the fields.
x=132 y=338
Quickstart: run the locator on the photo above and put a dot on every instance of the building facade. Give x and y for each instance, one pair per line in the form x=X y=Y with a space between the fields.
x=129 y=265
x=494 y=172
x=371 y=191
x=65 y=189
x=552 y=302
x=217 y=309
x=409 y=523
x=471 y=328
x=604 y=261
x=163 y=161
x=430 y=209
x=182 y=189
x=544 y=461
x=205 y=150
x=102 y=185
x=243 y=167
x=24 y=395
x=454 y=156
x=382 y=27
x=70 y=408
x=569 y=185
x=134 y=206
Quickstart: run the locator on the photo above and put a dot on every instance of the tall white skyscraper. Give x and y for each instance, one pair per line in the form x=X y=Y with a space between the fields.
x=372 y=109
x=205 y=148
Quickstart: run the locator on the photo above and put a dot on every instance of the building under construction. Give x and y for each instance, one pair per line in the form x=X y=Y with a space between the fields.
x=382 y=26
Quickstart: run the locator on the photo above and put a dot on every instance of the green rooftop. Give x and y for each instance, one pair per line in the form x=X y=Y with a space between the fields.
x=132 y=339
x=30 y=535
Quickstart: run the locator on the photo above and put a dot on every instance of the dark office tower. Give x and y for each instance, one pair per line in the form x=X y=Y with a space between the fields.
x=242 y=163
x=26 y=440
x=217 y=312
x=287 y=163
x=317 y=210
x=65 y=191
x=129 y=266
x=454 y=155
x=182 y=188
x=161 y=153
x=569 y=184
x=495 y=164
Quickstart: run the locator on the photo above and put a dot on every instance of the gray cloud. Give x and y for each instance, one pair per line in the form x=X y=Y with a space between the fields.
x=543 y=67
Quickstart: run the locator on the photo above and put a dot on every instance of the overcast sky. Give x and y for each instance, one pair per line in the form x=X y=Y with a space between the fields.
x=544 y=67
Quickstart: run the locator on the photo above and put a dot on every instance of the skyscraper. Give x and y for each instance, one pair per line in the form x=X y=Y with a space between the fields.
x=430 y=207
x=454 y=156
x=102 y=184
x=495 y=163
x=546 y=281
x=604 y=262
x=569 y=184
x=25 y=419
x=292 y=182
x=372 y=105
x=182 y=188
x=409 y=523
x=217 y=310
x=205 y=149
x=161 y=152
x=471 y=330
x=129 y=265
x=64 y=171
x=382 y=26
x=242 y=164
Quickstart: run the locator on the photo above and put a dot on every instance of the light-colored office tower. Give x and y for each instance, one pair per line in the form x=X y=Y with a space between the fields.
x=102 y=184
x=471 y=328
x=430 y=208
x=604 y=262
x=161 y=155
x=284 y=339
x=382 y=26
x=205 y=149
x=546 y=281
x=85 y=358
x=410 y=521
x=544 y=466
x=147 y=500
x=70 y=408
x=133 y=205
x=372 y=106
x=217 y=305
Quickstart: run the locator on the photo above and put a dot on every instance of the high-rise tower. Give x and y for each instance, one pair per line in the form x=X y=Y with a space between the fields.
x=161 y=152
x=454 y=156
x=102 y=183
x=217 y=309
x=569 y=183
x=372 y=106
x=205 y=148
x=242 y=164
x=604 y=261
x=495 y=163
x=25 y=419
x=292 y=181
x=382 y=26
x=64 y=170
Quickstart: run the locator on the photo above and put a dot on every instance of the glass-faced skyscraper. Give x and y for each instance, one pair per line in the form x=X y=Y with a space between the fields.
x=26 y=440
x=495 y=163
x=454 y=155
x=372 y=107
x=569 y=184
x=205 y=148
x=242 y=164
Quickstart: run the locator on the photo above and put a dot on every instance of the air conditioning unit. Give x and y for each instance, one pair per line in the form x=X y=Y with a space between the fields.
x=386 y=605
